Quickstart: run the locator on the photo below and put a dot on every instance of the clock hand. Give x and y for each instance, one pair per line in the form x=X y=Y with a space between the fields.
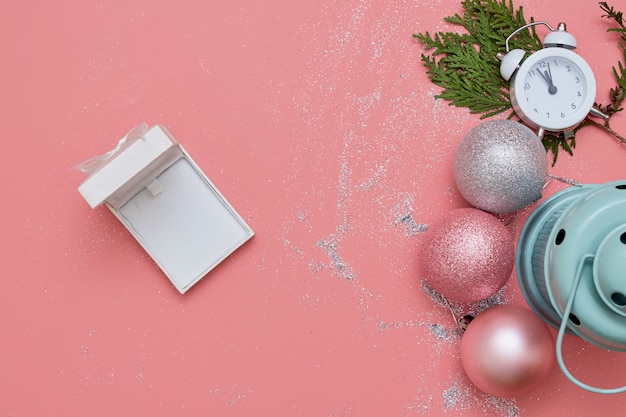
x=547 y=77
x=551 y=87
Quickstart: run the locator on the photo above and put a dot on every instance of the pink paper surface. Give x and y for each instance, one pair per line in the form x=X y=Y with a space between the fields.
x=318 y=123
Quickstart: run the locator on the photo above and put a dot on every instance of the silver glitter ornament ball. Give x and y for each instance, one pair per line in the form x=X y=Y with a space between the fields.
x=500 y=166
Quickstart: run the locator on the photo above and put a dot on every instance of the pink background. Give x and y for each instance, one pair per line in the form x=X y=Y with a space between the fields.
x=317 y=121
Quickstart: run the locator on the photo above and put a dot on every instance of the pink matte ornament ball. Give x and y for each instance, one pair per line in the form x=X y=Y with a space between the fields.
x=468 y=256
x=507 y=351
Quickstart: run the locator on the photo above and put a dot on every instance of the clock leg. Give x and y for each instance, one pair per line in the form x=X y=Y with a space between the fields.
x=540 y=133
x=596 y=112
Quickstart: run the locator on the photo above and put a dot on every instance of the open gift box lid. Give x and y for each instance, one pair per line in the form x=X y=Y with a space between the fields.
x=167 y=203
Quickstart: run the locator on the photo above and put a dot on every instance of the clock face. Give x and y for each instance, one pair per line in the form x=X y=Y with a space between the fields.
x=554 y=88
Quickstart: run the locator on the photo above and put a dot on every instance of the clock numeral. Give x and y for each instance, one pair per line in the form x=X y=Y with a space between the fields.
x=547 y=115
x=542 y=64
x=562 y=115
x=577 y=80
x=526 y=86
x=578 y=94
x=536 y=111
x=569 y=69
x=573 y=106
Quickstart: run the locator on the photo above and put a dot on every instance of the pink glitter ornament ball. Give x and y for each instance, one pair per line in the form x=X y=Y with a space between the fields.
x=468 y=256
x=507 y=351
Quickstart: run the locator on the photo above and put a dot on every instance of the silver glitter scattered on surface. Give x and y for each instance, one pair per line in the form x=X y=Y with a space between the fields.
x=403 y=213
x=462 y=396
x=366 y=174
x=421 y=404
x=455 y=397
x=459 y=310
x=337 y=262
x=412 y=227
x=440 y=332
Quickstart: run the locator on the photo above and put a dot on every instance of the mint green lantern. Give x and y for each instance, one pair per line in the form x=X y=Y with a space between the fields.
x=571 y=266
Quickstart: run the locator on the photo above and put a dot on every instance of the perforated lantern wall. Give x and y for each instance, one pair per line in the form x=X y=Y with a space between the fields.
x=571 y=265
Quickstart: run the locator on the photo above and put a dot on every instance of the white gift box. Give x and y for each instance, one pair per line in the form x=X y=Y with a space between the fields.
x=167 y=203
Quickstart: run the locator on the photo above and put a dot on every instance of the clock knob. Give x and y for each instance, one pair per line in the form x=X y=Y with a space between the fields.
x=509 y=63
x=560 y=38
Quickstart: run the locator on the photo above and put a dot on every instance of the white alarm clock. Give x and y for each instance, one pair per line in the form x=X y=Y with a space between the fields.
x=553 y=89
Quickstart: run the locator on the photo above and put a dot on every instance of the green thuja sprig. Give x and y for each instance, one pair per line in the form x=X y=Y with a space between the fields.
x=616 y=94
x=463 y=64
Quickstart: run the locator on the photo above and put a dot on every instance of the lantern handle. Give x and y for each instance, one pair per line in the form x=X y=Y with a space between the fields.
x=559 y=339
